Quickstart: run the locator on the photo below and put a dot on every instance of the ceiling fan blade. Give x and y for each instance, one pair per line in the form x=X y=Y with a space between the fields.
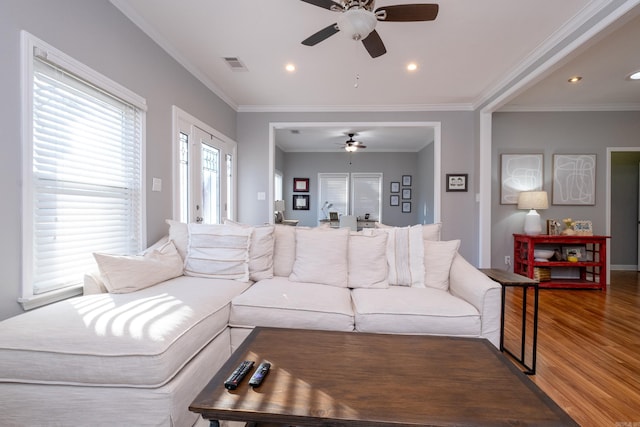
x=373 y=44
x=321 y=35
x=408 y=12
x=325 y=4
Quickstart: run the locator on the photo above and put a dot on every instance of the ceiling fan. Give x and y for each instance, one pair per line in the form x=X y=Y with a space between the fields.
x=352 y=145
x=358 y=19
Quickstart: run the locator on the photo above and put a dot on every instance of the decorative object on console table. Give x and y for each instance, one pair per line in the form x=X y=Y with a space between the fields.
x=591 y=269
x=553 y=227
x=583 y=228
x=301 y=185
x=520 y=172
x=278 y=208
x=457 y=181
x=300 y=202
x=532 y=200
x=574 y=179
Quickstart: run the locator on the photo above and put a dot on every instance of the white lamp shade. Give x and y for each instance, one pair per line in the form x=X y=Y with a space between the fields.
x=533 y=200
x=278 y=206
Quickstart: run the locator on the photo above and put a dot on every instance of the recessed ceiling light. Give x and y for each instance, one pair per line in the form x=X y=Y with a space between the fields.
x=290 y=68
x=412 y=66
x=635 y=76
x=574 y=79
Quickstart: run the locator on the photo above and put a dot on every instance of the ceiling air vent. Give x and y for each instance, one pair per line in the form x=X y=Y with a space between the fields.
x=235 y=63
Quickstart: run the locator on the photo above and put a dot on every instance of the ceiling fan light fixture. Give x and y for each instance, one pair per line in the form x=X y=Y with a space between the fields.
x=357 y=23
x=351 y=148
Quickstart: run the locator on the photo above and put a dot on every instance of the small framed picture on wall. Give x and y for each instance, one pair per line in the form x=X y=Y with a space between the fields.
x=301 y=185
x=395 y=200
x=457 y=181
x=406 y=207
x=395 y=187
x=300 y=202
x=406 y=180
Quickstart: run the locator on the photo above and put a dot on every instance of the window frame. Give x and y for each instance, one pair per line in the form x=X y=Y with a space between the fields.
x=30 y=47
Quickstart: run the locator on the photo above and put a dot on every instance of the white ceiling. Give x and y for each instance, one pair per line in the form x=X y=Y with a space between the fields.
x=474 y=52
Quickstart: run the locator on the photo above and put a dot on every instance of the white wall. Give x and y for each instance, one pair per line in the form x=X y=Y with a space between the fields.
x=558 y=133
x=98 y=35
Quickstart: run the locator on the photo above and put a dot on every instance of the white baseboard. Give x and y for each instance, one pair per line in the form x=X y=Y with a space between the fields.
x=623 y=267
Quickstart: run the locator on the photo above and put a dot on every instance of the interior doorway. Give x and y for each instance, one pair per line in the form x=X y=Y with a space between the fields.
x=622 y=200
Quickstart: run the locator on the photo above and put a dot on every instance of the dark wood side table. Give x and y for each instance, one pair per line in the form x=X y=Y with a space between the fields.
x=508 y=279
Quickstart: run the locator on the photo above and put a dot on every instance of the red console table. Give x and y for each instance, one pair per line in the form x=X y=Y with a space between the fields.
x=592 y=267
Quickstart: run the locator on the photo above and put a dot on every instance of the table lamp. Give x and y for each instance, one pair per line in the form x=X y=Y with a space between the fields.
x=533 y=200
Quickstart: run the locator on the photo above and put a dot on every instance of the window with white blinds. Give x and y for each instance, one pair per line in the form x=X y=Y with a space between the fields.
x=84 y=189
x=351 y=194
x=334 y=191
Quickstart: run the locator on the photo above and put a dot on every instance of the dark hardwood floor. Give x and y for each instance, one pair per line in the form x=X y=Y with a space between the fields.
x=588 y=358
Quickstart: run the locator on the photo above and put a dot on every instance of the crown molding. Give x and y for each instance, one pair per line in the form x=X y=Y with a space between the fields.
x=352 y=108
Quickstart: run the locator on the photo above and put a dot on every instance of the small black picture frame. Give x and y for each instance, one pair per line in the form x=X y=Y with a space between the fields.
x=457 y=181
x=406 y=207
x=406 y=194
x=333 y=216
x=300 y=202
x=406 y=180
x=395 y=187
x=301 y=185
x=394 y=200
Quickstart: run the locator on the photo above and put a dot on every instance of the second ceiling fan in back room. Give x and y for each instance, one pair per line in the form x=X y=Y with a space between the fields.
x=358 y=19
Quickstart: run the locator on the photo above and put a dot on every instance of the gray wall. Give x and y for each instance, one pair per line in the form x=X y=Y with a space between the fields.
x=98 y=35
x=624 y=209
x=562 y=133
x=391 y=165
x=459 y=152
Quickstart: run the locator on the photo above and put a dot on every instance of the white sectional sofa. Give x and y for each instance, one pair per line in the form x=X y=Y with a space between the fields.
x=153 y=329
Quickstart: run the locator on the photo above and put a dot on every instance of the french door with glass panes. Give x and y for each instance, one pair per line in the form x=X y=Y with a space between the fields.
x=205 y=187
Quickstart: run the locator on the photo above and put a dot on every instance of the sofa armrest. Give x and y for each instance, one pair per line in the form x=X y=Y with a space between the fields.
x=473 y=286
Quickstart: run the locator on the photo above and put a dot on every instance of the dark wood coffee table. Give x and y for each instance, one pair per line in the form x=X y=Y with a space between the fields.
x=322 y=378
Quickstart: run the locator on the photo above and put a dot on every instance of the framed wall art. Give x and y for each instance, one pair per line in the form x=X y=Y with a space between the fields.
x=406 y=180
x=395 y=187
x=457 y=181
x=300 y=202
x=519 y=172
x=394 y=200
x=574 y=179
x=406 y=194
x=406 y=207
x=301 y=185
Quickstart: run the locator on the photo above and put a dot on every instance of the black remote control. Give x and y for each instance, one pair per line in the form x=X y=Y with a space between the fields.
x=259 y=374
x=238 y=374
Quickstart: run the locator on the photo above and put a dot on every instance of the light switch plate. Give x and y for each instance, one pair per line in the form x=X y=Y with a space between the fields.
x=157 y=184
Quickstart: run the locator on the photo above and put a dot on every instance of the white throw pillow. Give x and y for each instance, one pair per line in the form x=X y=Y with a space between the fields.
x=438 y=257
x=123 y=274
x=218 y=251
x=179 y=233
x=321 y=256
x=260 y=250
x=405 y=255
x=431 y=231
x=368 y=260
x=284 y=250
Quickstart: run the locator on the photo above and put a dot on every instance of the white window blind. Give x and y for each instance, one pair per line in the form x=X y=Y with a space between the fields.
x=334 y=189
x=366 y=195
x=86 y=182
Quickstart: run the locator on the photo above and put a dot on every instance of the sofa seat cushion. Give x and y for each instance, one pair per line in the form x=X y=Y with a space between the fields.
x=281 y=303
x=138 y=339
x=405 y=310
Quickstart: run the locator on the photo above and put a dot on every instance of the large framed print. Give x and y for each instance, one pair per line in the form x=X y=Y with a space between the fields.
x=519 y=172
x=574 y=179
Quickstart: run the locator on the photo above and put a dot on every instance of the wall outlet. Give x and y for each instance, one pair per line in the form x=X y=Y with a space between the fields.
x=507 y=260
